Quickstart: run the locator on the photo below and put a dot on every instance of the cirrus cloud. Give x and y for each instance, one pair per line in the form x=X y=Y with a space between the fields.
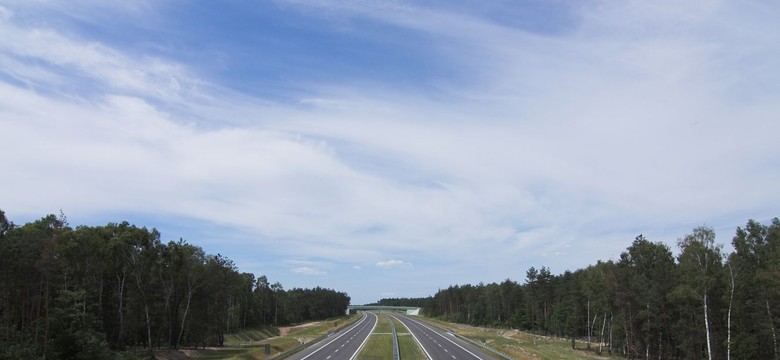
x=393 y=264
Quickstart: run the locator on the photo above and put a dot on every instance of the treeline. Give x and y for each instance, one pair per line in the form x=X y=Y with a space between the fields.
x=424 y=303
x=90 y=292
x=648 y=304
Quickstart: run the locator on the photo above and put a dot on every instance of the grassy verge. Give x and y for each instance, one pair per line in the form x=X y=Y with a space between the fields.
x=408 y=347
x=250 y=344
x=380 y=343
x=250 y=336
x=520 y=345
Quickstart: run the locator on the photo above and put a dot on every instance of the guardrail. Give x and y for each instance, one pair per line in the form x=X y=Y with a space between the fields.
x=300 y=347
x=396 y=351
x=505 y=356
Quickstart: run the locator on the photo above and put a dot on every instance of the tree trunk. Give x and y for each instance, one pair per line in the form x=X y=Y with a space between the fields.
x=707 y=327
x=772 y=326
x=589 y=327
x=728 y=318
x=601 y=338
x=120 y=332
x=148 y=329
x=184 y=318
x=46 y=315
x=610 y=334
x=647 y=337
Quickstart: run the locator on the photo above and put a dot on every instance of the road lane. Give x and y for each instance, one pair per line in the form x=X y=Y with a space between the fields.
x=340 y=346
x=437 y=344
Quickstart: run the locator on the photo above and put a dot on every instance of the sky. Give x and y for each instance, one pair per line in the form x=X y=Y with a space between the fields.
x=393 y=148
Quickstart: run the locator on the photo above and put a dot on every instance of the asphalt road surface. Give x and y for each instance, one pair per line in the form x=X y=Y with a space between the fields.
x=438 y=344
x=343 y=345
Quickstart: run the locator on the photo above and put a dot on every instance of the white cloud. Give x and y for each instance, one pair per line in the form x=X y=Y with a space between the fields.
x=642 y=118
x=393 y=264
x=308 y=271
x=5 y=13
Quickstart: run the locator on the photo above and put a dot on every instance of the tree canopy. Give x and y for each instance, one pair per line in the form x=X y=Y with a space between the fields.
x=648 y=304
x=90 y=291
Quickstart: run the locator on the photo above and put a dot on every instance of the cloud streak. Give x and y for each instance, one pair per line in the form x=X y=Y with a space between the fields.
x=540 y=148
x=393 y=264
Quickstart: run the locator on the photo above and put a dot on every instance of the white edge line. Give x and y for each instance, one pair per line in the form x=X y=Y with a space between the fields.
x=448 y=339
x=366 y=339
x=415 y=337
x=337 y=337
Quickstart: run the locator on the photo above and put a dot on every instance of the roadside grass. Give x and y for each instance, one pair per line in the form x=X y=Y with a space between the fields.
x=407 y=346
x=257 y=352
x=380 y=343
x=409 y=350
x=250 y=336
x=294 y=338
x=250 y=344
x=382 y=325
x=518 y=345
x=220 y=353
x=323 y=327
x=521 y=345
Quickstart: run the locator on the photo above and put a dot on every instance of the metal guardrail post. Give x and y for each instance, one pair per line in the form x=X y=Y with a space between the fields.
x=396 y=351
x=287 y=353
x=484 y=346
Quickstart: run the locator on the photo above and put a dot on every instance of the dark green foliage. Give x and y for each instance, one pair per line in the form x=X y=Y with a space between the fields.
x=648 y=304
x=409 y=302
x=89 y=292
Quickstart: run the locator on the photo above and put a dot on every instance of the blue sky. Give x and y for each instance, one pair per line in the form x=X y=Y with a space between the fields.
x=392 y=148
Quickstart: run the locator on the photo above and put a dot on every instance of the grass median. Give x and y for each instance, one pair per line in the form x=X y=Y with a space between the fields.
x=521 y=345
x=407 y=345
x=379 y=345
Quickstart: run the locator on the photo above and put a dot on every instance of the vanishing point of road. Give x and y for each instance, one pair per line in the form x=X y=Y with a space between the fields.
x=343 y=345
x=437 y=344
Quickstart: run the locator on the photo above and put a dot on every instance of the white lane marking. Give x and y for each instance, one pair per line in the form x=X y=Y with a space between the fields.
x=337 y=337
x=446 y=338
x=366 y=339
x=415 y=337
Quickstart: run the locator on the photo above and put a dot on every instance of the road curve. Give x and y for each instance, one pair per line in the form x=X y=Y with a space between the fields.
x=437 y=344
x=343 y=345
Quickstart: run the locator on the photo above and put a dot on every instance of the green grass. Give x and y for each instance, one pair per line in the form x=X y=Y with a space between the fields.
x=324 y=326
x=250 y=344
x=382 y=325
x=250 y=336
x=408 y=347
x=520 y=345
x=400 y=328
x=378 y=347
x=409 y=350
x=221 y=353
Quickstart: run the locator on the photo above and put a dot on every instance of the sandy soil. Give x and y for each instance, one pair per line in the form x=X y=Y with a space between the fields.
x=286 y=330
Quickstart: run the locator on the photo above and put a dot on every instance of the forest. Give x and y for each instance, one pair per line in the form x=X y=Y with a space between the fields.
x=94 y=292
x=649 y=304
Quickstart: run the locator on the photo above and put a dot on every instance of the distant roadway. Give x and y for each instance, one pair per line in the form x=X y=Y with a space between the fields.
x=438 y=344
x=342 y=345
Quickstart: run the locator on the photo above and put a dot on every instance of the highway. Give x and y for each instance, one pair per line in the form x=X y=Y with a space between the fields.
x=343 y=345
x=437 y=344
